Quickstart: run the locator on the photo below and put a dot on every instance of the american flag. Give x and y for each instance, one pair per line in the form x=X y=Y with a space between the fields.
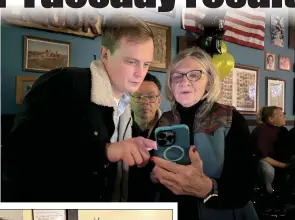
x=243 y=27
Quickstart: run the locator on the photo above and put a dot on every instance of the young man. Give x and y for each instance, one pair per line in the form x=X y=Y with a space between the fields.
x=73 y=141
x=145 y=104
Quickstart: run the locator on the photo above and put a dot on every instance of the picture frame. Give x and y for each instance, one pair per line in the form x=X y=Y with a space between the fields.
x=275 y=91
x=241 y=89
x=162 y=51
x=23 y=86
x=42 y=54
x=277 y=28
x=184 y=42
x=291 y=31
x=46 y=214
x=270 y=61
x=284 y=63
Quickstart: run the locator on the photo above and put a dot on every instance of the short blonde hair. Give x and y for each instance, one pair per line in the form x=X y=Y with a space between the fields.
x=205 y=60
x=118 y=26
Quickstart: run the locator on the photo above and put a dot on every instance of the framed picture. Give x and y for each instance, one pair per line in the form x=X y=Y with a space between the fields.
x=23 y=86
x=275 y=92
x=59 y=214
x=277 y=27
x=241 y=89
x=291 y=30
x=269 y=61
x=184 y=42
x=162 y=51
x=42 y=55
x=284 y=63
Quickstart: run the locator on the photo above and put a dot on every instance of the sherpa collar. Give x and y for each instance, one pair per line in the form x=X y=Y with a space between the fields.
x=101 y=88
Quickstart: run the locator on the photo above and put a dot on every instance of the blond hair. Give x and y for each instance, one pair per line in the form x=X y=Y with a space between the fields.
x=118 y=26
x=205 y=60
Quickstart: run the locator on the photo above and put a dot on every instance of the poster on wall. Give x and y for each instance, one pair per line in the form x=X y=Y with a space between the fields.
x=275 y=92
x=277 y=27
x=241 y=88
x=49 y=214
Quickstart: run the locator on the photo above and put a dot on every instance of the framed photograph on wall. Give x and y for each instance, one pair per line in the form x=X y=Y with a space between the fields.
x=23 y=86
x=275 y=92
x=269 y=61
x=284 y=63
x=42 y=55
x=59 y=214
x=277 y=27
x=241 y=89
x=162 y=51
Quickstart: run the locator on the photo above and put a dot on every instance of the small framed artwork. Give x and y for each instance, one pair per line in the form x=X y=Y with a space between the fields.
x=42 y=55
x=277 y=27
x=23 y=86
x=162 y=51
x=269 y=61
x=275 y=92
x=284 y=63
x=241 y=88
x=59 y=214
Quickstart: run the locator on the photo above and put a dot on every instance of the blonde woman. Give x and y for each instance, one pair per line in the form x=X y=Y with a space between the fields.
x=218 y=183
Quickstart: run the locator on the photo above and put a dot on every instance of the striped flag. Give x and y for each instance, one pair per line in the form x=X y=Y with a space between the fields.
x=243 y=27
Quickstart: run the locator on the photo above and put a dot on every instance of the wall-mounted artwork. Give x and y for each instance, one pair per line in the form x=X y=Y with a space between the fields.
x=162 y=51
x=23 y=86
x=184 y=42
x=277 y=27
x=42 y=55
x=269 y=61
x=86 y=24
x=241 y=88
x=275 y=92
x=284 y=63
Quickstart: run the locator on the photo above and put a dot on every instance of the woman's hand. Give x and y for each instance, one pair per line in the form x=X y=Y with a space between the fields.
x=181 y=179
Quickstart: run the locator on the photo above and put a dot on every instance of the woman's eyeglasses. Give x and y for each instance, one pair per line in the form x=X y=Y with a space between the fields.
x=193 y=76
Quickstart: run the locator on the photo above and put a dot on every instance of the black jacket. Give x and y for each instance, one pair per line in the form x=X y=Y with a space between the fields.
x=56 y=151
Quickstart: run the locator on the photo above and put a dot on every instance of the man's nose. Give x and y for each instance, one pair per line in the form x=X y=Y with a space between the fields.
x=140 y=71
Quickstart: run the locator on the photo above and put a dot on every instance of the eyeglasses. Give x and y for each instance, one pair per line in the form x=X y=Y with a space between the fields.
x=193 y=76
x=139 y=98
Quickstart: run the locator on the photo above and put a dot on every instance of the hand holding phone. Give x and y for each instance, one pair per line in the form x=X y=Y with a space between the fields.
x=173 y=143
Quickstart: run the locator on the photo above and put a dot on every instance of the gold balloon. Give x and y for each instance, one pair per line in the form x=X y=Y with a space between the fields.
x=223 y=47
x=224 y=63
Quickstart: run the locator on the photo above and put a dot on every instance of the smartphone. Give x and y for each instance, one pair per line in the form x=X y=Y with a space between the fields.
x=173 y=143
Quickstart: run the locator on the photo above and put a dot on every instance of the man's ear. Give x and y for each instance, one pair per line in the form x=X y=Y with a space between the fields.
x=104 y=53
x=160 y=99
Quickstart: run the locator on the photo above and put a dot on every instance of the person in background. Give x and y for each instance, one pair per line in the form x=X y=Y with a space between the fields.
x=145 y=104
x=73 y=142
x=269 y=139
x=219 y=181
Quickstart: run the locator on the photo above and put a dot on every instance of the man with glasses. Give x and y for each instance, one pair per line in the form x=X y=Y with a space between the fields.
x=145 y=103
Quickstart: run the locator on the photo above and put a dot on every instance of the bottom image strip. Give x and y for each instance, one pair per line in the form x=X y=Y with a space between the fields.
x=77 y=214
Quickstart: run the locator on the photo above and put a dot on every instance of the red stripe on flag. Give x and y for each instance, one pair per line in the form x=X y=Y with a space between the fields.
x=243 y=43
